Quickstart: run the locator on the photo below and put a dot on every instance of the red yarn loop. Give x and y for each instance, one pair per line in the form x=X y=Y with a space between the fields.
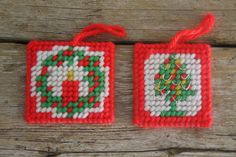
x=190 y=34
x=99 y=28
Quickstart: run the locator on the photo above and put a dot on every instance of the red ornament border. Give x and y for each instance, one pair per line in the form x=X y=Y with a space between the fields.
x=141 y=117
x=107 y=116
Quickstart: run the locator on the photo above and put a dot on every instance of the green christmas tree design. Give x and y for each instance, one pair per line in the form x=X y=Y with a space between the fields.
x=173 y=82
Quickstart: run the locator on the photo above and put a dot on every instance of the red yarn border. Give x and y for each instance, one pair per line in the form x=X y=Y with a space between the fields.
x=105 y=117
x=141 y=117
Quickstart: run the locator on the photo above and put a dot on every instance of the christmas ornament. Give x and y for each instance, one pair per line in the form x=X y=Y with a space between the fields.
x=172 y=82
x=71 y=81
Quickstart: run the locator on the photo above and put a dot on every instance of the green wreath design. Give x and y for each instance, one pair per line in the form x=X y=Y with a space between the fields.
x=56 y=101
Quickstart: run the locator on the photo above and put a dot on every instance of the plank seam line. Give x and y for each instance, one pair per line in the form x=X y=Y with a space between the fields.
x=171 y=149
x=118 y=43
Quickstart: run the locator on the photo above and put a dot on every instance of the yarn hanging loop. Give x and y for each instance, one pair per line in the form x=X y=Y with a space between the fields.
x=186 y=35
x=99 y=28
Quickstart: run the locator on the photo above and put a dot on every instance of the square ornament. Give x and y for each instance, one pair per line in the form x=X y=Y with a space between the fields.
x=70 y=83
x=172 y=86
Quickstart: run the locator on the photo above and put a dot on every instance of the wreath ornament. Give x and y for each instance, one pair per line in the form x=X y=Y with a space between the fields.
x=70 y=82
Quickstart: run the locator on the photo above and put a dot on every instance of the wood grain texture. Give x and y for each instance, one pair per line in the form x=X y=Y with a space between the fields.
x=122 y=138
x=145 y=20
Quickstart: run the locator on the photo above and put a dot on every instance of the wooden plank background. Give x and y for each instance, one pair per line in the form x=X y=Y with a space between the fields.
x=145 y=20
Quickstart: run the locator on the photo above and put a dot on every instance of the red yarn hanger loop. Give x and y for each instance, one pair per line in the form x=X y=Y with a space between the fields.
x=99 y=28
x=190 y=34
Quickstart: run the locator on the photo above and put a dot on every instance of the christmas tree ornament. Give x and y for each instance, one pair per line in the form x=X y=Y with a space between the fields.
x=172 y=81
x=72 y=81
